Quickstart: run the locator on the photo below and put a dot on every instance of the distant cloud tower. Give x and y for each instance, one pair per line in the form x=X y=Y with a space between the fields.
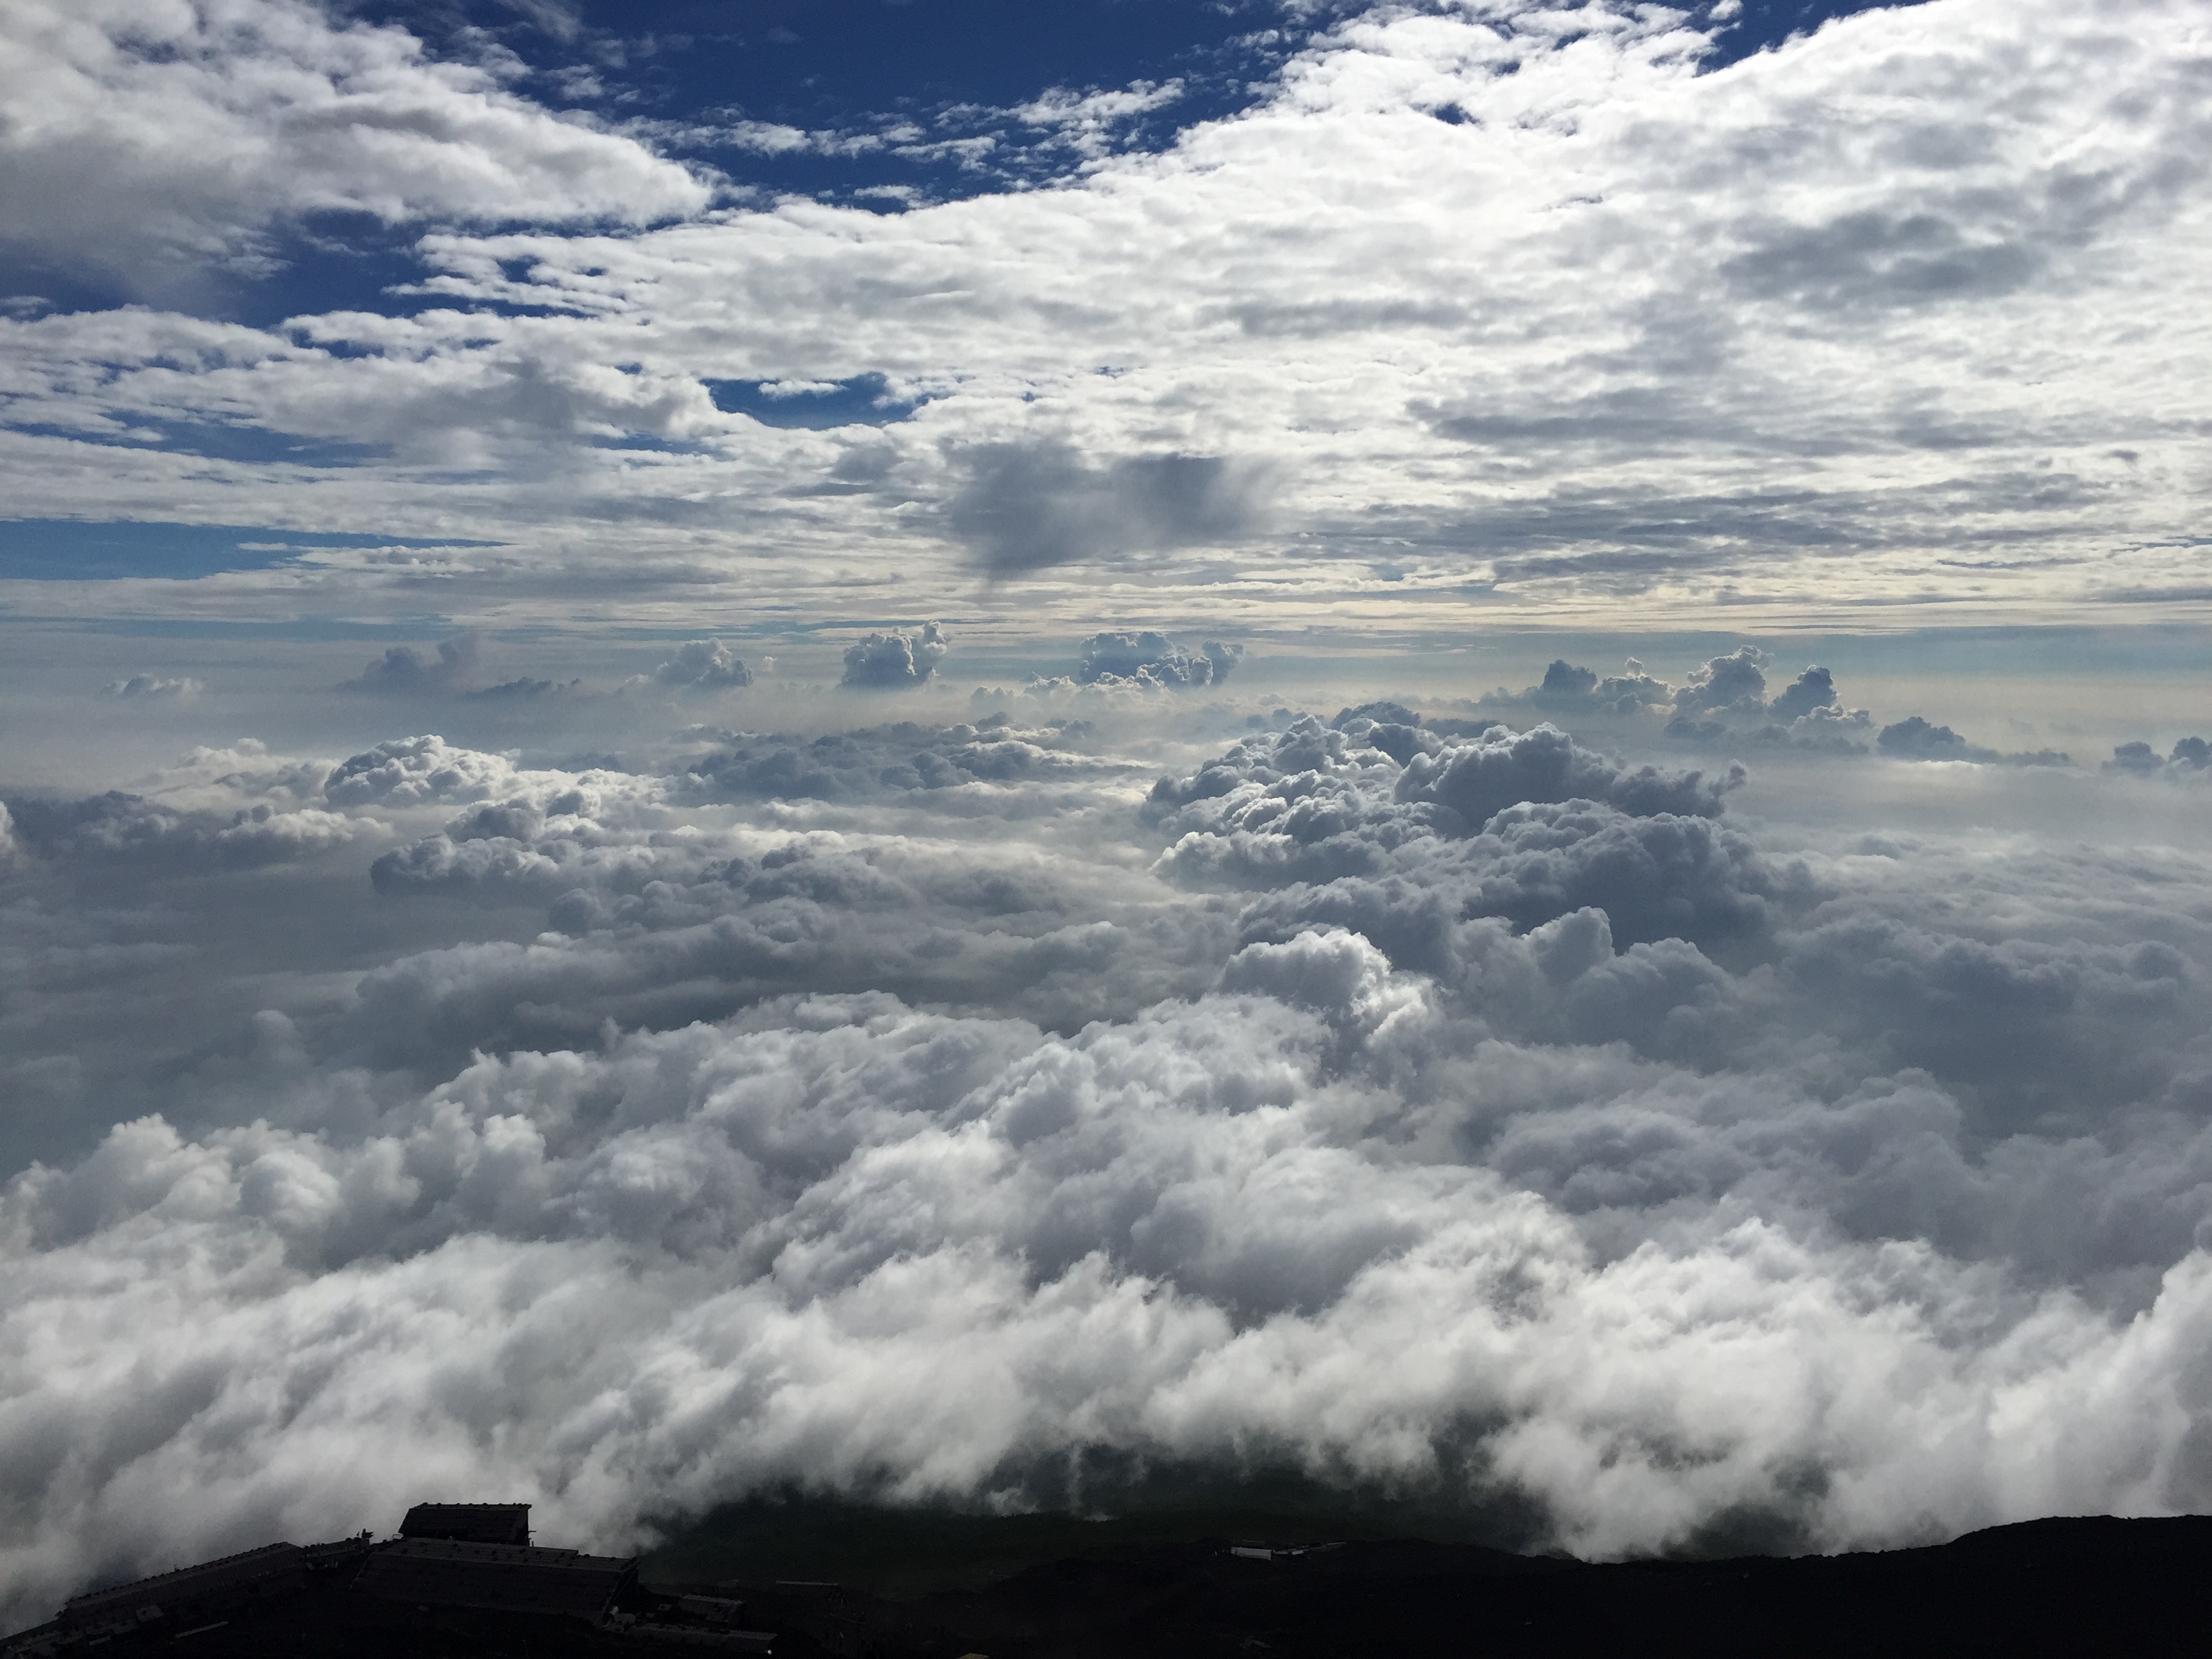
x=704 y=665
x=886 y=662
x=1153 y=660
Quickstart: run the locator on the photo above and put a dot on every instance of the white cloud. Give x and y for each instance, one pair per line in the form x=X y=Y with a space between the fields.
x=856 y=1110
x=147 y=134
x=1087 y=120
x=1906 y=311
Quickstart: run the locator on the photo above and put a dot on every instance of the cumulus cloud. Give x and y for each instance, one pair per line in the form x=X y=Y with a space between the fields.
x=1810 y=693
x=873 y=763
x=415 y=771
x=404 y=671
x=2190 y=755
x=1478 y=779
x=1730 y=684
x=1569 y=689
x=117 y=826
x=1914 y=739
x=1150 y=660
x=1724 y=697
x=704 y=665
x=887 y=662
x=913 y=1112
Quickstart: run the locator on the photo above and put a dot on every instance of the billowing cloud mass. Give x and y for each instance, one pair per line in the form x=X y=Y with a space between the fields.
x=1151 y=660
x=403 y=671
x=937 y=1112
x=529 y=970
x=704 y=665
x=891 y=661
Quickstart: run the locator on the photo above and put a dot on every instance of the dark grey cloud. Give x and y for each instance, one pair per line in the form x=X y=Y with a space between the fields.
x=875 y=762
x=1479 y=779
x=120 y=827
x=1811 y=691
x=1728 y=685
x=1872 y=259
x=404 y=671
x=1914 y=739
x=1722 y=705
x=1027 y=506
x=2190 y=755
x=1527 y=826
x=1568 y=690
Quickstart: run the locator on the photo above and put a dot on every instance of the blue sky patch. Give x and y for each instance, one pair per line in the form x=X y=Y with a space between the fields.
x=864 y=400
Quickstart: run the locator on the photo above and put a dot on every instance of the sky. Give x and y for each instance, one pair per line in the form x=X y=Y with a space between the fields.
x=961 y=754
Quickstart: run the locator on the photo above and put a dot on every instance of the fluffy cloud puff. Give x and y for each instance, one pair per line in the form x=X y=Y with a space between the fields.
x=891 y=661
x=704 y=665
x=1317 y=803
x=865 y=1250
x=403 y=671
x=1723 y=704
x=1150 y=659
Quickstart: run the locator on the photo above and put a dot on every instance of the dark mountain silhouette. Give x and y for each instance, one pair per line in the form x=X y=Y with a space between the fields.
x=2078 y=1586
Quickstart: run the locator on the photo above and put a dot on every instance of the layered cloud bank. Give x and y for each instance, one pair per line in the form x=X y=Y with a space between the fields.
x=991 y=1112
x=1480 y=303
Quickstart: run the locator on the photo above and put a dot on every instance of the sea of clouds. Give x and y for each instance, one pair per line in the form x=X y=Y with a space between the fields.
x=1778 y=1135
x=1670 y=1105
